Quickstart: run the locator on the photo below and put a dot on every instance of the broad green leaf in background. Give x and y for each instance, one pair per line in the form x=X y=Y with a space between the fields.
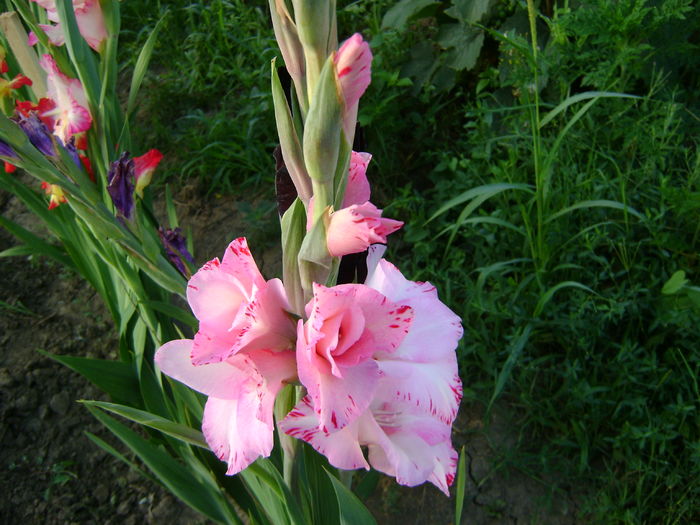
x=675 y=283
x=399 y=15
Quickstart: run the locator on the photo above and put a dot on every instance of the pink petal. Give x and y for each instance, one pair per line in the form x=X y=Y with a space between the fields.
x=357 y=190
x=238 y=261
x=266 y=323
x=347 y=325
x=219 y=379
x=353 y=229
x=342 y=448
x=70 y=112
x=234 y=432
x=91 y=23
x=353 y=63
x=54 y=33
x=408 y=457
x=433 y=387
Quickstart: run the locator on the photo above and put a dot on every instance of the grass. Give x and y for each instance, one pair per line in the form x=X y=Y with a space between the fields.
x=556 y=255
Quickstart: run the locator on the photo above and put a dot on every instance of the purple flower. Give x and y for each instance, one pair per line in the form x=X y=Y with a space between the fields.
x=6 y=150
x=176 y=248
x=120 y=185
x=38 y=134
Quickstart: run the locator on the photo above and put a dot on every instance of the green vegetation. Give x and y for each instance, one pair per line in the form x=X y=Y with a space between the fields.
x=550 y=210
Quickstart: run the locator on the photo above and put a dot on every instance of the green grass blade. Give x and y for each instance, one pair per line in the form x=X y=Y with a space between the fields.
x=578 y=98
x=487 y=189
x=516 y=348
x=142 y=66
x=461 y=485
x=544 y=299
x=600 y=203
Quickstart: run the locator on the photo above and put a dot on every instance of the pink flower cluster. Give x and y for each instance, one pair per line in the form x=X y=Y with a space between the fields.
x=377 y=360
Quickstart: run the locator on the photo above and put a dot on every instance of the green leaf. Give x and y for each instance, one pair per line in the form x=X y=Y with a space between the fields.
x=578 y=98
x=554 y=289
x=352 y=510
x=399 y=15
x=33 y=244
x=464 y=44
x=600 y=203
x=470 y=11
x=171 y=428
x=460 y=489
x=114 y=452
x=514 y=351
x=183 y=482
x=141 y=67
x=488 y=189
x=675 y=283
x=116 y=378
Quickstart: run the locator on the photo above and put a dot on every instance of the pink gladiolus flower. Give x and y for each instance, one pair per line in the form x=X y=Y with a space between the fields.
x=70 y=114
x=144 y=166
x=353 y=229
x=237 y=421
x=240 y=357
x=399 y=398
x=88 y=14
x=237 y=309
x=353 y=65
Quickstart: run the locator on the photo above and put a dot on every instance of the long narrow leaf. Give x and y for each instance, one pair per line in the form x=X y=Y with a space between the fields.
x=179 y=480
x=114 y=377
x=176 y=430
x=516 y=348
x=600 y=203
x=554 y=289
x=578 y=98
x=487 y=189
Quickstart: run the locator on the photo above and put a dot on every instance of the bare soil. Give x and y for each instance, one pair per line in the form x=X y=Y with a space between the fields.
x=52 y=472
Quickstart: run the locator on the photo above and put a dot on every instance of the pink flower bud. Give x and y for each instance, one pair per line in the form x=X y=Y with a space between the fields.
x=353 y=65
x=353 y=229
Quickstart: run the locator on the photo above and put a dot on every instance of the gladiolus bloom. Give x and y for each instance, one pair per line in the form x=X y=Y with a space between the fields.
x=144 y=166
x=398 y=398
x=88 y=14
x=240 y=357
x=6 y=87
x=353 y=229
x=71 y=112
x=237 y=309
x=55 y=192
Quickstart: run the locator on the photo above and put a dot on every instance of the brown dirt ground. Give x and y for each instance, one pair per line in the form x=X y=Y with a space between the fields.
x=52 y=473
